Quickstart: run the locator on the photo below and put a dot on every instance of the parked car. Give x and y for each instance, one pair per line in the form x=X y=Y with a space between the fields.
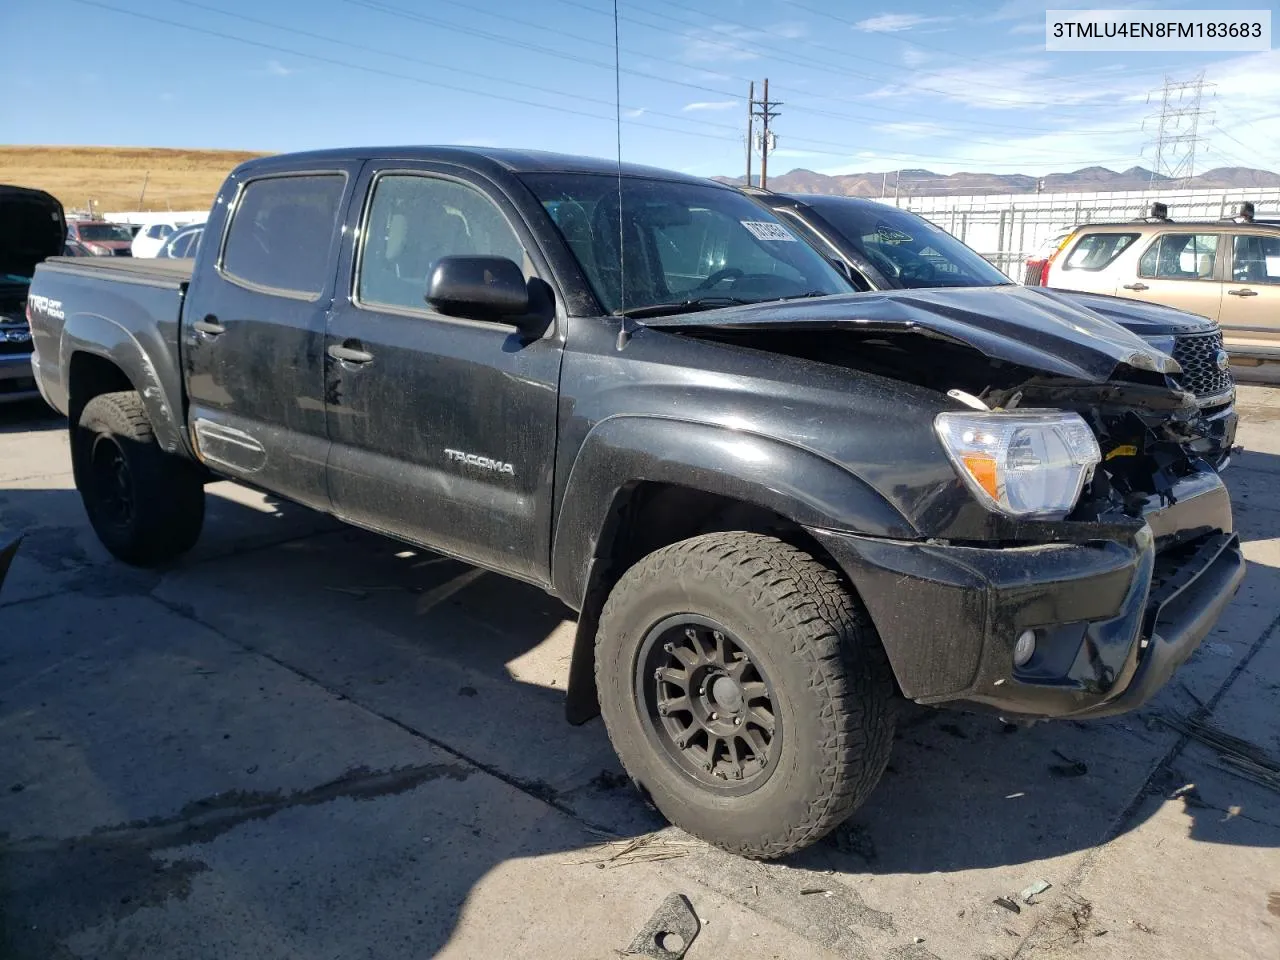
x=101 y=238
x=886 y=248
x=74 y=248
x=148 y=241
x=1225 y=270
x=777 y=504
x=183 y=243
x=32 y=227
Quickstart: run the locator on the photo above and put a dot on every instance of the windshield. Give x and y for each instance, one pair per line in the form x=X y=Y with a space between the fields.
x=103 y=231
x=909 y=250
x=683 y=242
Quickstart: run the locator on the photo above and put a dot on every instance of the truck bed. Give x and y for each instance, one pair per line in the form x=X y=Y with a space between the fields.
x=159 y=272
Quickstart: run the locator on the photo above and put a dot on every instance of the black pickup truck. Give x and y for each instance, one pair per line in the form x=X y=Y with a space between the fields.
x=778 y=505
x=32 y=227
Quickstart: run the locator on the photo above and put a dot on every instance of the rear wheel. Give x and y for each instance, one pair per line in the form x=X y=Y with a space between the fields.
x=146 y=506
x=745 y=690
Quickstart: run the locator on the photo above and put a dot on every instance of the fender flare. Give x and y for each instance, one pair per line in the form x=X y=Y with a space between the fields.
x=102 y=337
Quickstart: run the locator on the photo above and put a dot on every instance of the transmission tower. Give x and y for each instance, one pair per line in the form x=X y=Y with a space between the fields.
x=1177 y=128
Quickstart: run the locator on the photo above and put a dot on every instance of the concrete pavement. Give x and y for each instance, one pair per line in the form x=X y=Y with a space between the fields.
x=308 y=741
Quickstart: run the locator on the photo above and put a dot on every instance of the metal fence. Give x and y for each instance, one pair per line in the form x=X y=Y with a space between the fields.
x=1008 y=229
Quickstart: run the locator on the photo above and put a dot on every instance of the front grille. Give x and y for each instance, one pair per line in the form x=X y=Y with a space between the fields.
x=1034 y=273
x=123 y=252
x=1198 y=355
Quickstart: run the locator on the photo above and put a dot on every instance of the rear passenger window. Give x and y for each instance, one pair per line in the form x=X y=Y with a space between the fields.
x=414 y=221
x=1257 y=259
x=281 y=232
x=1180 y=256
x=1094 y=251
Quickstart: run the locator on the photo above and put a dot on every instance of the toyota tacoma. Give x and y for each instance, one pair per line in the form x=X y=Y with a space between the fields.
x=779 y=506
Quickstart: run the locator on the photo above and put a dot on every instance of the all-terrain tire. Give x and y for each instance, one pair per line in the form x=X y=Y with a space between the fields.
x=146 y=506
x=832 y=683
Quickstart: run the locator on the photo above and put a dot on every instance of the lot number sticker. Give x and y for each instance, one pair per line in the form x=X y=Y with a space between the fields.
x=767 y=231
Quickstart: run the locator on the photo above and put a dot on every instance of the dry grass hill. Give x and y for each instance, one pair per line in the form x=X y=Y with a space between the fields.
x=112 y=177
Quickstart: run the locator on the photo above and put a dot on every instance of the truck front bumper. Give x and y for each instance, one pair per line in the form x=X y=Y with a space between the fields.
x=1112 y=620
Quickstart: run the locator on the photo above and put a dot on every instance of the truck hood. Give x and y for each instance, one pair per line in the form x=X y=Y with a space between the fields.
x=32 y=227
x=1144 y=319
x=1042 y=330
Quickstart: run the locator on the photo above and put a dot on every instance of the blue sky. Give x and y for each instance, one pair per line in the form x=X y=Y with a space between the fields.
x=865 y=86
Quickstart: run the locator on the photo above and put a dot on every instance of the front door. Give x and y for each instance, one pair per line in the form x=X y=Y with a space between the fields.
x=1180 y=269
x=253 y=333
x=1251 y=301
x=443 y=429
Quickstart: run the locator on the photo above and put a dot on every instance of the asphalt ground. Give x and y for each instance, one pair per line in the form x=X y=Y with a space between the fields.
x=306 y=741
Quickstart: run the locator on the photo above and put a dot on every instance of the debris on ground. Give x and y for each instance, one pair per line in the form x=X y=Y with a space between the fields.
x=810 y=891
x=1068 y=768
x=1236 y=756
x=1015 y=796
x=1141 y=926
x=1073 y=917
x=650 y=848
x=1029 y=894
x=1189 y=794
x=669 y=932
x=609 y=780
x=1008 y=903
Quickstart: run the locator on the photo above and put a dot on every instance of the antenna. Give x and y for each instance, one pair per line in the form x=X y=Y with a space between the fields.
x=624 y=331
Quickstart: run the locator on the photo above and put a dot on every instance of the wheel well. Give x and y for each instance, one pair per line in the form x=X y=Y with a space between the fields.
x=88 y=376
x=645 y=517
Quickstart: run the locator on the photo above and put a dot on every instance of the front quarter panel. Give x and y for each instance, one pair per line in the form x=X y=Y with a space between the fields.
x=821 y=446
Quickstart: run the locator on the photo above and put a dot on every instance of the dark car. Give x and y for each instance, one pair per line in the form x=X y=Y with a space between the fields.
x=882 y=247
x=103 y=239
x=777 y=505
x=31 y=228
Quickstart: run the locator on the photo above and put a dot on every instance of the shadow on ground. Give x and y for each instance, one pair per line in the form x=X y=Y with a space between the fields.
x=401 y=737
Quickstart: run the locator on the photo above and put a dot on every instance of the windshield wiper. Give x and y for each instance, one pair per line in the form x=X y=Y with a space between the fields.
x=681 y=306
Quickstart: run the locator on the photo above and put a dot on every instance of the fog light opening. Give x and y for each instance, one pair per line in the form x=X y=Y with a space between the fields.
x=1025 y=648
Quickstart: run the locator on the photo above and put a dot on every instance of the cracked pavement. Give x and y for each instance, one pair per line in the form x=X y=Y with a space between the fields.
x=306 y=741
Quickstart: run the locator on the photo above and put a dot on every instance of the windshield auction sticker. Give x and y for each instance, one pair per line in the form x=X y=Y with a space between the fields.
x=1215 y=31
x=763 y=230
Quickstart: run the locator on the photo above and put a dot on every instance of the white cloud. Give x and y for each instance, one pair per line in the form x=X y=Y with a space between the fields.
x=710 y=105
x=635 y=113
x=278 y=69
x=728 y=42
x=895 y=22
x=914 y=56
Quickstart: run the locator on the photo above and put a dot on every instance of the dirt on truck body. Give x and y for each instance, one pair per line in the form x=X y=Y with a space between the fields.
x=779 y=505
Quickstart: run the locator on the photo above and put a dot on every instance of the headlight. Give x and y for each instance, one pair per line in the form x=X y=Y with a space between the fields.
x=1025 y=463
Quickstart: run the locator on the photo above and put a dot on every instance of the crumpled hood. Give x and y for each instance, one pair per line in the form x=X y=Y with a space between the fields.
x=1144 y=319
x=1017 y=324
x=32 y=228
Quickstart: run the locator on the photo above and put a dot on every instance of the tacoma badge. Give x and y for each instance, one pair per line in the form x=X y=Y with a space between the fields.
x=473 y=460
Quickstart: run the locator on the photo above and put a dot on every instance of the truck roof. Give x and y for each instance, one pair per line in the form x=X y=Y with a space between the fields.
x=481 y=159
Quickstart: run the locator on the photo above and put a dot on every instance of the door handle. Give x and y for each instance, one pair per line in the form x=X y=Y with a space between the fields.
x=1243 y=292
x=1136 y=286
x=209 y=326
x=349 y=354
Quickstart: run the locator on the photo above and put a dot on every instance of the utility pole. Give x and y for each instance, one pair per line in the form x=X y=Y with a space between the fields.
x=751 y=123
x=764 y=109
x=145 y=179
x=1177 y=128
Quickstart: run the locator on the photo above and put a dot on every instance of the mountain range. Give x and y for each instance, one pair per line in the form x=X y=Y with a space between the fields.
x=919 y=183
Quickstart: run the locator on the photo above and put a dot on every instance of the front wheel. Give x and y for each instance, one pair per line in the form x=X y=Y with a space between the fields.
x=146 y=506
x=745 y=690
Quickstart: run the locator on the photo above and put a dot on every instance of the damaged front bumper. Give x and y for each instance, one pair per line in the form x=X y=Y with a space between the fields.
x=1113 y=619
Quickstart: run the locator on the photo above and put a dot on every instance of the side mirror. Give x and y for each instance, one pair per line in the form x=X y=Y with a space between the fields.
x=483 y=288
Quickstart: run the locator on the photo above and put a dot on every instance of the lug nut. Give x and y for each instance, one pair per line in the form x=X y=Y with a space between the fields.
x=663 y=709
x=706 y=765
x=737 y=721
x=680 y=742
x=713 y=716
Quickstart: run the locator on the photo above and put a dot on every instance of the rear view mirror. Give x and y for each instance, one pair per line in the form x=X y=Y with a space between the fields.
x=483 y=288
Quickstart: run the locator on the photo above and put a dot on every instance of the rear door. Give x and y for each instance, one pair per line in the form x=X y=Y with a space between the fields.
x=443 y=428
x=254 y=326
x=1182 y=269
x=1251 y=301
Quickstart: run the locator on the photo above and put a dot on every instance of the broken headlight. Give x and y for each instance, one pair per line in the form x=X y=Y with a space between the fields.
x=1024 y=463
